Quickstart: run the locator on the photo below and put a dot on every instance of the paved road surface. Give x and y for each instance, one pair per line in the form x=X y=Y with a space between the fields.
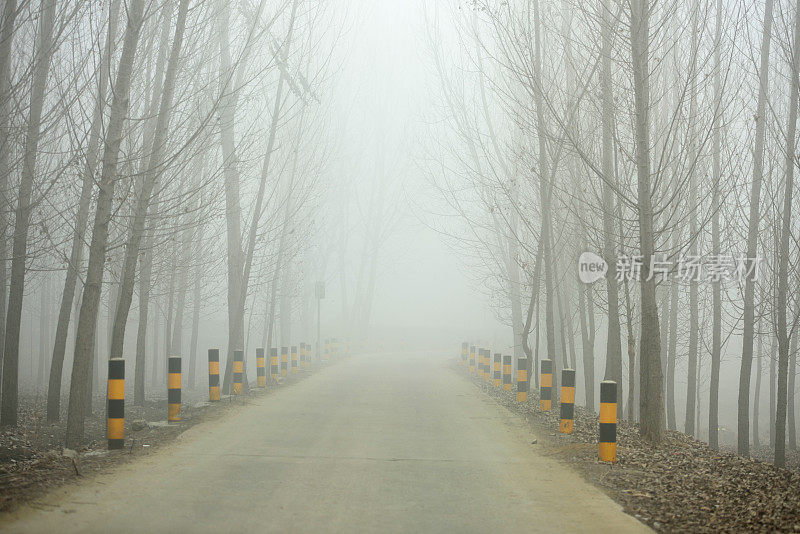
x=380 y=443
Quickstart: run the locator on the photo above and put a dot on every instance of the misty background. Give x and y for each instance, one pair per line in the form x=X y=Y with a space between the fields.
x=367 y=166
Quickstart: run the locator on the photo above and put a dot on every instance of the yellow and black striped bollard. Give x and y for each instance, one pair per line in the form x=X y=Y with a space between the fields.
x=261 y=369
x=487 y=365
x=213 y=375
x=464 y=353
x=498 y=370
x=174 y=389
x=608 y=421
x=507 y=373
x=294 y=359
x=284 y=361
x=472 y=358
x=522 y=380
x=274 y=368
x=546 y=385
x=115 y=404
x=480 y=362
x=302 y=356
x=327 y=349
x=567 y=401
x=238 y=371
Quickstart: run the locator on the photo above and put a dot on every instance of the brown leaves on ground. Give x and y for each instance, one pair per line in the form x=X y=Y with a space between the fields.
x=680 y=485
x=32 y=457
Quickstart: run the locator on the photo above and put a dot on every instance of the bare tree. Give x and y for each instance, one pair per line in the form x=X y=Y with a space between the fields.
x=783 y=253
x=651 y=401
x=44 y=52
x=752 y=237
x=97 y=250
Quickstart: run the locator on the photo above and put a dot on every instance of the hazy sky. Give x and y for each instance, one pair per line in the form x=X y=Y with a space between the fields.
x=386 y=89
x=421 y=281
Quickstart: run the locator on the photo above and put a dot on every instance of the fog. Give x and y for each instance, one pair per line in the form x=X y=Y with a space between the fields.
x=438 y=165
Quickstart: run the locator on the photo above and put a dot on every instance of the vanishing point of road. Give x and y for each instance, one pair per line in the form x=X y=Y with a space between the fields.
x=375 y=443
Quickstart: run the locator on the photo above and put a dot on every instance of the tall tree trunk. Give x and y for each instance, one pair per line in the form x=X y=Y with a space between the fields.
x=276 y=278
x=757 y=396
x=613 y=370
x=168 y=320
x=664 y=322
x=156 y=351
x=694 y=302
x=783 y=253
x=243 y=261
x=716 y=343
x=773 y=361
x=748 y=319
x=630 y=337
x=81 y=221
x=19 y=255
x=92 y=367
x=43 y=309
x=183 y=283
x=9 y=15
x=585 y=306
x=97 y=250
x=544 y=193
x=631 y=376
x=536 y=352
x=533 y=355
x=672 y=353
x=145 y=281
x=561 y=330
x=286 y=305
x=233 y=209
x=510 y=249
x=146 y=274
x=196 y=300
x=247 y=262
x=651 y=402
x=790 y=391
x=193 y=356
x=154 y=170
x=570 y=332
x=698 y=404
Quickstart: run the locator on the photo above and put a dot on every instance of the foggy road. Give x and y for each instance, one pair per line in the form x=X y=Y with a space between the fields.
x=398 y=443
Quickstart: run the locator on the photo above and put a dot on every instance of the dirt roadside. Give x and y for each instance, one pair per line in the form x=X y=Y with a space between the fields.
x=679 y=486
x=32 y=458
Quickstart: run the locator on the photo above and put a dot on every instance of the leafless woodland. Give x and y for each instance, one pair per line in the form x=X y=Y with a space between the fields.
x=176 y=167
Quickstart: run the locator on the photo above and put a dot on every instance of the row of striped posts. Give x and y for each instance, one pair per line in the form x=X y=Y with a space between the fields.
x=498 y=369
x=332 y=348
x=300 y=358
x=115 y=398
